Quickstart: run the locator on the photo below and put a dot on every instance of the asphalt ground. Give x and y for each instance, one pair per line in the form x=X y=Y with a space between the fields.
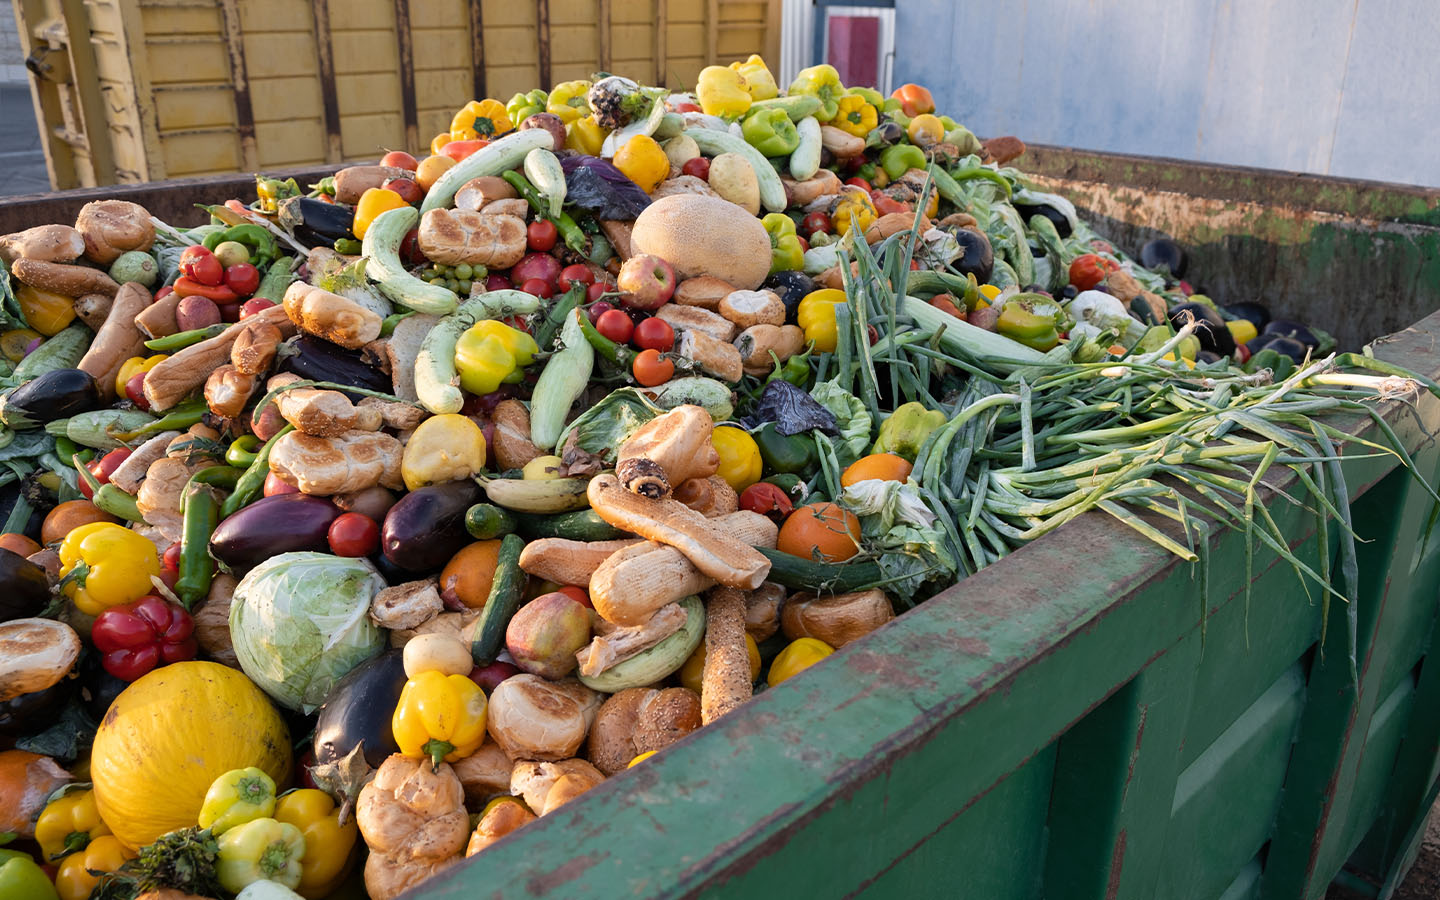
x=22 y=161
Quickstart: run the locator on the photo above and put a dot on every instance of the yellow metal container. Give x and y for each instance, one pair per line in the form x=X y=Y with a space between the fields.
x=140 y=90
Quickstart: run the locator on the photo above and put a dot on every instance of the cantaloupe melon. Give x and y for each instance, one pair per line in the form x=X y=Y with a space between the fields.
x=705 y=236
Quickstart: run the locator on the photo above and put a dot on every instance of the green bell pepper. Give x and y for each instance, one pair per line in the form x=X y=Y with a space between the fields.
x=823 y=83
x=871 y=96
x=257 y=239
x=771 y=132
x=901 y=158
x=905 y=431
x=523 y=106
x=1023 y=323
x=261 y=849
x=786 y=254
x=785 y=453
x=21 y=876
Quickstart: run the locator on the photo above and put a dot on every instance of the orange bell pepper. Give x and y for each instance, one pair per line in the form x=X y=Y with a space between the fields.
x=914 y=99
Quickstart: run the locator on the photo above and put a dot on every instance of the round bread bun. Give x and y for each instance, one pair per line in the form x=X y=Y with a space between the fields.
x=484 y=774
x=612 y=737
x=546 y=785
x=531 y=718
x=665 y=717
x=835 y=619
x=704 y=236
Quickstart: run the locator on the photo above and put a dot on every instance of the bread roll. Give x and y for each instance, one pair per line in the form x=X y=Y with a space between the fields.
x=531 y=718
x=452 y=237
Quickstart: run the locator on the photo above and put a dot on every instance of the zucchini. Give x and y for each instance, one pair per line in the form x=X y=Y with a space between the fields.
x=659 y=661
x=436 y=383
x=805 y=161
x=382 y=247
x=797 y=108
x=715 y=397
x=806 y=575
x=62 y=351
x=580 y=525
x=561 y=383
x=502 y=155
x=712 y=142
x=486 y=521
x=95 y=429
x=543 y=170
x=504 y=596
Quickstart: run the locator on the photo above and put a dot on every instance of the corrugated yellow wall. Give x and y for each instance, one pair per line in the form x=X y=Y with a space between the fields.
x=194 y=87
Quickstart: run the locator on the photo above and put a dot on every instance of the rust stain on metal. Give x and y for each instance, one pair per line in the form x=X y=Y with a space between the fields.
x=477 y=48
x=405 y=42
x=240 y=84
x=329 y=98
x=564 y=873
x=1117 y=864
x=1134 y=753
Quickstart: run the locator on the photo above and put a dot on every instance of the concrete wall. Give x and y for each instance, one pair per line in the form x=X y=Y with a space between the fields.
x=1341 y=87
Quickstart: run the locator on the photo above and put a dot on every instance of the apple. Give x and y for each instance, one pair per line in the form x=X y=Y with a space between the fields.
x=551 y=123
x=537 y=265
x=647 y=281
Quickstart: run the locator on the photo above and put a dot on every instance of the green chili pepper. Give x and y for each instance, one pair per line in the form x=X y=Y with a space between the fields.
x=253 y=480
x=555 y=318
x=277 y=279
x=901 y=158
x=66 y=448
x=348 y=246
x=788 y=453
x=107 y=497
x=172 y=343
x=574 y=237
x=387 y=325
x=1022 y=323
x=982 y=172
x=325 y=185
x=180 y=418
x=212 y=240
x=242 y=451
x=201 y=516
x=795 y=370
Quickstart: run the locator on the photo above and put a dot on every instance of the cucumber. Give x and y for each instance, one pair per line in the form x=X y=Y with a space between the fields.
x=657 y=662
x=806 y=575
x=61 y=351
x=715 y=397
x=671 y=124
x=504 y=598
x=543 y=170
x=486 y=521
x=805 y=161
x=94 y=429
x=797 y=108
x=502 y=155
x=561 y=383
x=712 y=143
x=382 y=247
x=581 y=525
x=436 y=383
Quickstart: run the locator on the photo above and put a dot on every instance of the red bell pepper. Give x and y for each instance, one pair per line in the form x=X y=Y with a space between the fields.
x=186 y=286
x=1089 y=270
x=136 y=637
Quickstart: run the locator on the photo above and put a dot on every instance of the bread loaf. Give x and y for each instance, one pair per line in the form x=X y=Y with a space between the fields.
x=452 y=237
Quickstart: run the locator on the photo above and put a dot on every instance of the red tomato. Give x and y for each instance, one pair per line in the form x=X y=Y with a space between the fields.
x=804 y=244
x=576 y=274
x=654 y=334
x=410 y=252
x=541 y=235
x=816 y=221
x=399 y=159
x=254 y=305
x=274 y=486
x=497 y=282
x=860 y=183
x=594 y=292
x=615 y=325
x=102 y=468
x=242 y=278
x=1242 y=354
x=598 y=309
x=1089 y=270
x=687 y=107
x=408 y=190
x=201 y=265
x=458 y=150
x=171 y=559
x=651 y=368
x=699 y=167
x=164 y=292
x=577 y=594
x=767 y=500
x=353 y=534
x=135 y=391
x=537 y=286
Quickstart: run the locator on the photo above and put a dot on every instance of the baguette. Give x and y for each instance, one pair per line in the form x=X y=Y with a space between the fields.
x=173 y=379
x=568 y=562
x=725 y=683
x=118 y=339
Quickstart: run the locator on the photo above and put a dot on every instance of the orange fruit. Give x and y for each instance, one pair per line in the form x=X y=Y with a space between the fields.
x=18 y=543
x=820 y=527
x=468 y=575
x=69 y=516
x=881 y=466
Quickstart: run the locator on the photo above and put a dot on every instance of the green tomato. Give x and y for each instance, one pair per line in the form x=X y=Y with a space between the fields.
x=231 y=253
x=135 y=265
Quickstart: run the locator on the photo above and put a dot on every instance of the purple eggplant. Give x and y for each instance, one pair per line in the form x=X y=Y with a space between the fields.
x=271 y=526
x=427 y=526
x=24 y=587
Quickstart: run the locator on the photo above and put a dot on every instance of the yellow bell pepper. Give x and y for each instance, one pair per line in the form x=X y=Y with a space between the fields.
x=853 y=202
x=823 y=83
x=740 y=461
x=1242 y=330
x=585 y=135
x=439 y=716
x=237 y=797
x=642 y=160
x=45 y=311
x=721 y=92
x=439 y=141
x=259 y=850
x=567 y=100
x=797 y=656
x=134 y=366
x=103 y=565
x=480 y=119
x=448 y=447
x=816 y=315
x=68 y=825
x=371 y=204
x=854 y=116
x=104 y=854
x=492 y=353
x=759 y=83
x=329 y=846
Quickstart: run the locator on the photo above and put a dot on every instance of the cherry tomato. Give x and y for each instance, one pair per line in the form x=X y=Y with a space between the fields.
x=537 y=286
x=458 y=150
x=597 y=309
x=399 y=159
x=651 y=368
x=242 y=278
x=804 y=244
x=541 y=235
x=254 y=305
x=577 y=594
x=408 y=190
x=353 y=534
x=202 y=266
x=594 y=292
x=615 y=325
x=767 y=500
x=860 y=183
x=135 y=390
x=576 y=274
x=410 y=252
x=164 y=292
x=699 y=167
x=497 y=282
x=274 y=486
x=171 y=559
x=654 y=334
x=816 y=221
x=103 y=467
